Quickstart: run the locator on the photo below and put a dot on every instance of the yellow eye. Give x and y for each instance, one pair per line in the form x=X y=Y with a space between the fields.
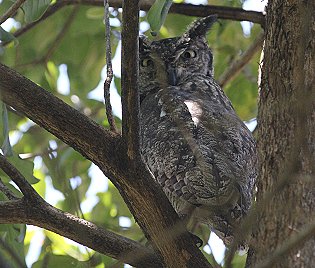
x=189 y=54
x=147 y=62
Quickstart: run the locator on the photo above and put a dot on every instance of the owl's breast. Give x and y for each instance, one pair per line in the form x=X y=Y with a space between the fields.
x=196 y=146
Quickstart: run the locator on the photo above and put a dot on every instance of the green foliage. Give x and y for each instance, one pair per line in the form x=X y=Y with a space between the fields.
x=157 y=14
x=58 y=168
x=34 y=9
x=4 y=135
x=12 y=249
x=6 y=36
x=25 y=167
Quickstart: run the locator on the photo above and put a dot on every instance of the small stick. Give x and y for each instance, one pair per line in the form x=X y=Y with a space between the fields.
x=108 y=80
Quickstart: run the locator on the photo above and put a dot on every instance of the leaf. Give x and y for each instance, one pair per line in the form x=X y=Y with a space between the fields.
x=95 y=13
x=34 y=9
x=4 y=136
x=7 y=37
x=13 y=237
x=52 y=74
x=25 y=167
x=157 y=14
x=59 y=261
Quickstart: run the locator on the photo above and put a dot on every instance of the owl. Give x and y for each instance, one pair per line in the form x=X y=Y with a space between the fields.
x=197 y=148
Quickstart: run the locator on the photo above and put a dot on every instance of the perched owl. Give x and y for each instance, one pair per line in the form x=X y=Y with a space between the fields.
x=199 y=151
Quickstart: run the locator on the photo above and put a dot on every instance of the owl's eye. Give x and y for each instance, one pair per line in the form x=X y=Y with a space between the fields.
x=147 y=62
x=189 y=54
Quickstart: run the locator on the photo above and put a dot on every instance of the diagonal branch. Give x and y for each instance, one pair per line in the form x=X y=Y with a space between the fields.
x=7 y=192
x=18 y=178
x=32 y=209
x=55 y=43
x=41 y=214
x=145 y=199
x=10 y=12
x=69 y=125
x=62 y=33
x=240 y=63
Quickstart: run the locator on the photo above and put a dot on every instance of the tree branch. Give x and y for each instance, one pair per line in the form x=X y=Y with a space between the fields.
x=7 y=192
x=10 y=12
x=54 y=44
x=72 y=127
x=145 y=199
x=129 y=78
x=62 y=33
x=223 y=12
x=108 y=80
x=43 y=215
x=32 y=209
x=239 y=64
x=18 y=178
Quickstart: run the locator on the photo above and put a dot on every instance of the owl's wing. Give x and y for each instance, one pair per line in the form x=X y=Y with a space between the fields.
x=195 y=145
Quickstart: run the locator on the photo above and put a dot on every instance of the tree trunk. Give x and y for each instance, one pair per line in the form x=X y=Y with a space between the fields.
x=286 y=139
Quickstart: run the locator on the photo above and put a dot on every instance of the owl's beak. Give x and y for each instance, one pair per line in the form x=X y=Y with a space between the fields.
x=171 y=76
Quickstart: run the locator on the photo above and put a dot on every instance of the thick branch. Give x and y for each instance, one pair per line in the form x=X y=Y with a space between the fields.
x=66 y=123
x=129 y=78
x=152 y=209
x=144 y=198
x=86 y=233
x=223 y=12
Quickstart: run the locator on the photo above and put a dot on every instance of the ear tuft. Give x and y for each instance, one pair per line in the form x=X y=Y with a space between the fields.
x=200 y=27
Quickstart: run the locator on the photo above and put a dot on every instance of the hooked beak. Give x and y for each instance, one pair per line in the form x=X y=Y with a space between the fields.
x=171 y=76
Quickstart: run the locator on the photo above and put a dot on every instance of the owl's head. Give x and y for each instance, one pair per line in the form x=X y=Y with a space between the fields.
x=169 y=61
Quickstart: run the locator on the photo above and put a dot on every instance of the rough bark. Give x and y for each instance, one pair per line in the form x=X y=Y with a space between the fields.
x=286 y=138
x=145 y=199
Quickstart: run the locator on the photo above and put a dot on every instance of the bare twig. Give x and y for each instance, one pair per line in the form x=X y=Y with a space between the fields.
x=185 y=9
x=129 y=80
x=18 y=178
x=239 y=64
x=62 y=33
x=109 y=68
x=45 y=152
x=10 y=12
x=7 y=192
x=223 y=12
x=55 y=43
x=295 y=241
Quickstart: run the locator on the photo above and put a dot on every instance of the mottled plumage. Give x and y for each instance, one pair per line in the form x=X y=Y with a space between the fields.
x=197 y=148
